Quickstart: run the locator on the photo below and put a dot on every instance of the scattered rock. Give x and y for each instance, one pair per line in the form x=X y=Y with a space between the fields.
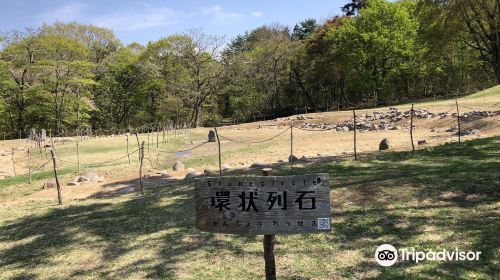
x=178 y=166
x=192 y=174
x=474 y=114
x=87 y=177
x=73 y=184
x=49 y=185
x=211 y=136
x=422 y=142
x=467 y=132
x=292 y=158
x=384 y=144
x=225 y=167
x=260 y=165
x=452 y=129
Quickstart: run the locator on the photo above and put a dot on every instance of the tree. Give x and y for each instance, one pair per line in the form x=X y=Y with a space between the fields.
x=19 y=56
x=353 y=8
x=203 y=61
x=304 y=29
x=66 y=72
x=100 y=42
x=482 y=19
x=380 y=47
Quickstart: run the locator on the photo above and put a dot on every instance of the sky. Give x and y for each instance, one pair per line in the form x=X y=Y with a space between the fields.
x=144 y=21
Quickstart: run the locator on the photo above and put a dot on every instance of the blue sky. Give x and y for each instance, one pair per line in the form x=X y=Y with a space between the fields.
x=143 y=21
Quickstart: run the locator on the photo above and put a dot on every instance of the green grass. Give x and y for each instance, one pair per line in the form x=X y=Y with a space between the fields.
x=443 y=197
x=493 y=91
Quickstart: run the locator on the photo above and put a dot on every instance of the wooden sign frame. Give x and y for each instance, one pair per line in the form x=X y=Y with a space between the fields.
x=254 y=205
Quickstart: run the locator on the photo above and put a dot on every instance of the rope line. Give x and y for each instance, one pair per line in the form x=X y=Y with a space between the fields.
x=102 y=162
x=313 y=130
x=38 y=168
x=254 y=142
x=182 y=151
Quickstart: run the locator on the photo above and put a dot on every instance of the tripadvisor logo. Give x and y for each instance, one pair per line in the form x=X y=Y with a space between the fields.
x=387 y=255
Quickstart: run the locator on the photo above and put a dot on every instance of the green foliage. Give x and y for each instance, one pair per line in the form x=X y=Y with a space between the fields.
x=65 y=76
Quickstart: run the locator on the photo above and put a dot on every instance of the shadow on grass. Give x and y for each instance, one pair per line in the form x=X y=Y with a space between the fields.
x=392 y=197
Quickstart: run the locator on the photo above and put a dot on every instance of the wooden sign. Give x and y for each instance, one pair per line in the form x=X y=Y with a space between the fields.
x=252 y=205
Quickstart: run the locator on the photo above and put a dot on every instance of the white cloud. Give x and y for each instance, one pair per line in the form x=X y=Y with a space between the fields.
x=220 y=15
x=257 y=14
x=151 y=17
x=67 y=12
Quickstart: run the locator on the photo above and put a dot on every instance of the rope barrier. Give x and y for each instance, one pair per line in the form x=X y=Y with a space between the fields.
x=254 y=142
x=182 y=151
x=313 y=130
x=38 y=168
x=102 y=162
x=493 y=105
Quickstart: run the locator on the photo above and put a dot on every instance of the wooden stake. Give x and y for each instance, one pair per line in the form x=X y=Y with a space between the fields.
x=220 y=157
x=291 y=145
x=141 y=155
x=78 y=155
x=411 y=129
x=270 y=263
x=157 y=137
x=458 y=120
x=13 y=162
x=54 y=162
x=128 y=154
x=149 y=145
x=354 y=118
x=138 y=145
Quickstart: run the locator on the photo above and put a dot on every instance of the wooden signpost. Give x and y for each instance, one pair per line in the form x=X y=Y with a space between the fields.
x=253 y=205
x=268 y=205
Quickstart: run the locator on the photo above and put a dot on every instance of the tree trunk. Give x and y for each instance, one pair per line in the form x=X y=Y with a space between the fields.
x=497 y=72
x=196 y=115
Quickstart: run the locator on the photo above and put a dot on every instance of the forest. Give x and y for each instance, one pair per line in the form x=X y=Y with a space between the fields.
x=65 y=77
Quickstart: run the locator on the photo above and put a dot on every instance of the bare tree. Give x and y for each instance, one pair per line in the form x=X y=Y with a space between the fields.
x=482 y=18
x=203 y=61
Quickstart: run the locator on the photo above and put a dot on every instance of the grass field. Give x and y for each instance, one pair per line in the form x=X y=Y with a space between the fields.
x=442 y=197
x=445 y=196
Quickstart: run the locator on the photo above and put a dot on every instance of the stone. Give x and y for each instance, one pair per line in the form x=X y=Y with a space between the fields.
x=192 y=174
x=467 y=132
x=32 y=136
x=43 y=135
x=165 y=174
x=292 y=158
x=225 y=166
x=211 y=136
x=260 y=165
x=49 y=185
x=452 y=129
x=422 y=142
x=87 y=177
x=208 y=170
x=178 y=166
x=384 y=144
x=73 y=184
